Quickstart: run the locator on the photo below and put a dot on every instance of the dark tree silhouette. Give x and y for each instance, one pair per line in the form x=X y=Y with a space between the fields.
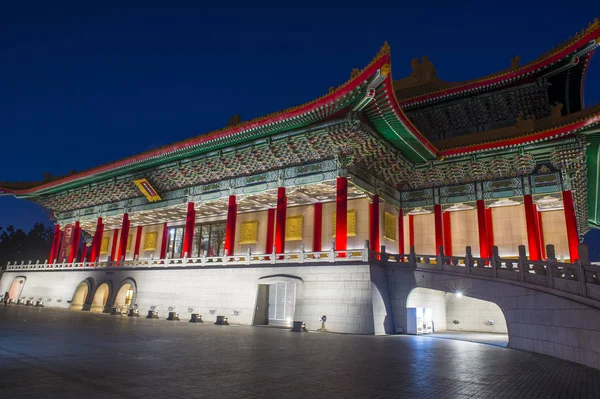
x=16 y=245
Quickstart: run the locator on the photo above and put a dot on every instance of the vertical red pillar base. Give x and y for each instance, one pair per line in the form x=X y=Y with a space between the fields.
x=484 y=249
x=164 y=242
x=318 y=227
x=447 y=234
x=341 y=218
x=188 y=235
x=138 y=242
x=439 y=239
x=280 y=221
x=533 y=238
x=54 y=247
x=411 y=231
x=113 y=252
x=230 y=225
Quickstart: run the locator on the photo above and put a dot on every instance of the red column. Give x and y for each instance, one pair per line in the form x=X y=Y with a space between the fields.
x=113 y=251
x=439 y=235
x=55 y=242
x=230 y=225
x=122 y=253
x=84 y=252
x=484 y=249
x=533 y=238
x=138 y=242
x=188 y=235
x=98 y=243
x=341 y=214
x=280 y=220
x=571 y=222
x=270 y=231
x=165 y=238
x=411 y=230
x=374 y=224
x=400 y=231
x=447 y=234
x=75 y=243
x=318 y=227
x=490 y=228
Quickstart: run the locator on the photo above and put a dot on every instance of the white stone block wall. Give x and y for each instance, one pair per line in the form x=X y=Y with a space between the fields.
x=342 y=293
x=473 y=315
x=536 y=321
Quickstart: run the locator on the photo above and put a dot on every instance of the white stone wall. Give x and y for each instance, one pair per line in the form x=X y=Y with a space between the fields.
x=473 y=315
x=536 y=321
x=342 y=293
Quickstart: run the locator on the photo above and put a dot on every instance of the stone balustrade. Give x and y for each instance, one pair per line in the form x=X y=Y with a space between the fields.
x=580 y=278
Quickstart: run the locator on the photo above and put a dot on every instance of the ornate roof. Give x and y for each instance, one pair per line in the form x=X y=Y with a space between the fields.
x=525 y=131
x=424 y=86
x=371 y=85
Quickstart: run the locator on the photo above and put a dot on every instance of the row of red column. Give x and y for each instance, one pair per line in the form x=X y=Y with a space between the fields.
x=276 y=225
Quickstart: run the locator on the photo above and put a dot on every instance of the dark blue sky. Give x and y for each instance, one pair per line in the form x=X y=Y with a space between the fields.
x=82 y=85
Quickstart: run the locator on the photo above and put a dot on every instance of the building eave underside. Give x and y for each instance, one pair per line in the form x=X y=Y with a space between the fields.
x=588 y=39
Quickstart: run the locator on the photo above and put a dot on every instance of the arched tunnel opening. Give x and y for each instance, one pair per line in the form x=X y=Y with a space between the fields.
x=454 y=315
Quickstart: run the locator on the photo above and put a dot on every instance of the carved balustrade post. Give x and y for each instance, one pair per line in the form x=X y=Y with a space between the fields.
x=248 y=256
x=468 y=258
x=366 y=251
x=301 y=253
x=495 y=262
x=523 y=265
x=412 y=257
x=440 y=257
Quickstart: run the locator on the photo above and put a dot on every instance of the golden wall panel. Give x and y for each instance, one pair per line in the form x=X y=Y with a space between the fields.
x=351 y=223
x=128 y=243
x=294 y=228
x=150 y=241
x=104 y=245
x=389 y=226
x=249 y=232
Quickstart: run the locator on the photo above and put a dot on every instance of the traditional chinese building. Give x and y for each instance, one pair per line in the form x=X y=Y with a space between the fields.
x=501 y=161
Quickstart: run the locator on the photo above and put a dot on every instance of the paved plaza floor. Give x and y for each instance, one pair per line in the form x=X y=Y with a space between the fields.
x=46 y=353
x=482 y=338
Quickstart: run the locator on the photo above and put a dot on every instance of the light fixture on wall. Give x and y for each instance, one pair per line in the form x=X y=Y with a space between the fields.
x=548 y=203
x=235 y=313
x=419 y=211
x=504 y=202
x=458 y=294
x=459 y=207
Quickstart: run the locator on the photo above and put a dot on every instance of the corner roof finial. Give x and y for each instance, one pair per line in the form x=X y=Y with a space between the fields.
x=385 y=49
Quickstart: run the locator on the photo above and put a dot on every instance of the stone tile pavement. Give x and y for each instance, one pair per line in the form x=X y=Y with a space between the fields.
x=48 y=353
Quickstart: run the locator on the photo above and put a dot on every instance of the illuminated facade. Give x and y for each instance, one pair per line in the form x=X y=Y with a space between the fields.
x=372 y=169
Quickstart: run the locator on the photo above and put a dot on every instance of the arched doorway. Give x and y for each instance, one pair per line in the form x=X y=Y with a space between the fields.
x=14 y=293
x=126 y=295
x=276 y=300
x=80 y=297
x=100 y=298
x=455 y=315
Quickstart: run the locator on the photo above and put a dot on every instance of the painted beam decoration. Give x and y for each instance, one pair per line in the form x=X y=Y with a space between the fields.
x=146 y=188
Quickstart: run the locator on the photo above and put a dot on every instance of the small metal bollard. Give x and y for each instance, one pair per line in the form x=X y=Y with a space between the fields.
x=323 y=320
x=133 y=313
x=222 y=321
x=115 y=311
x=173 y=316
x=196 y=318
x=299 y=326
x=152 y=314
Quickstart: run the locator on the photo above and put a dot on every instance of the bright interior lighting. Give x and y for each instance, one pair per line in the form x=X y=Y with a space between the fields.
x=458 y=294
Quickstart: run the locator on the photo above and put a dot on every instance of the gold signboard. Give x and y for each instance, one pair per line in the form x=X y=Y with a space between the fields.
x=144 y=186
x=104 y=245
